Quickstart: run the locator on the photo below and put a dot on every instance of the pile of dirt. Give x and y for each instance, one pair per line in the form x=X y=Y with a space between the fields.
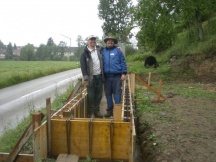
x=198 y=67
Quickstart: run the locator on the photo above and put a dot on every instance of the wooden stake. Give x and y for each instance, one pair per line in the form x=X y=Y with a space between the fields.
x=149 y=79
x=117 y=113
x=48 y=116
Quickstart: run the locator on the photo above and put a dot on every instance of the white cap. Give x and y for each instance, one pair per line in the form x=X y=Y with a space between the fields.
x=91 y=37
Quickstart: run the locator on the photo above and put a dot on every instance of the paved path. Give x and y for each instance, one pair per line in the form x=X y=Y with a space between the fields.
x=19 y=100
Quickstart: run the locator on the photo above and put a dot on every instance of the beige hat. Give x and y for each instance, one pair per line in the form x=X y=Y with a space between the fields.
x=107 y=38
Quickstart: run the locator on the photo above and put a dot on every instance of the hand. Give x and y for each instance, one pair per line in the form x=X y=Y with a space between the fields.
x=123 y=77
x=119 y=48
x=86 y=84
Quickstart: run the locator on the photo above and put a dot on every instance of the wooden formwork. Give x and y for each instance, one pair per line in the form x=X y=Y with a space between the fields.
x=69 y=131
x=73 y=133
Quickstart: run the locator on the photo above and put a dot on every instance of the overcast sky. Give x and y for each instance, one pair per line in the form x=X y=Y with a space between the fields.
x=34 y=21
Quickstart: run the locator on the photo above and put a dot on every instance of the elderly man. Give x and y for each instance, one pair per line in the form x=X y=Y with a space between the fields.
x=115 y=70
x=92 y=71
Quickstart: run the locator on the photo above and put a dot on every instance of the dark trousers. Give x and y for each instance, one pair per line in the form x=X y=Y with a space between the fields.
x=94 y=94
x=112 y=87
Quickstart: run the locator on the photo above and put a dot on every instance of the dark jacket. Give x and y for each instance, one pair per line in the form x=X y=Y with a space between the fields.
x=87 y=64
x=114 y=61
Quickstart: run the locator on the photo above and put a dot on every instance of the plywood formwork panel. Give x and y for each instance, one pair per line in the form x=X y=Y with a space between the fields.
x=91 y=138
x=40 y=142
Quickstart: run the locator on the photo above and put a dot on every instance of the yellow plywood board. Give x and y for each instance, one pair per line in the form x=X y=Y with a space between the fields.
x=100 y=138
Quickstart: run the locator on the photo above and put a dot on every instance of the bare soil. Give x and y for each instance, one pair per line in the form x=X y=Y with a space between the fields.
x=183 y=129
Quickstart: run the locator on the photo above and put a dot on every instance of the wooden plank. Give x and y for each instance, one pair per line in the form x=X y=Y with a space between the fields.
x=40 y=142
x=67 y=158
x=132 y=78
x=140 y=87
x=19 y=158
x=159 y=89
x=75 y=90
x=117 y=113
x=48 y=117
x=150 y=87
x=79 y=142
x=37 y=118
x=149 y=79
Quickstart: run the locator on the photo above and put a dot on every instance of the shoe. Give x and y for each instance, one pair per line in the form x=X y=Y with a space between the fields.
x=108 y=114
x=92 y=116
x=98 y=115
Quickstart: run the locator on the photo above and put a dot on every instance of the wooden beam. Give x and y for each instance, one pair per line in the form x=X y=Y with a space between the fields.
x=149 y=79
x=48 y=117
x=75 y=90
x=19 y=158
x=37 y=118
x=132 y=78
x=150 y=87
x=117 y=113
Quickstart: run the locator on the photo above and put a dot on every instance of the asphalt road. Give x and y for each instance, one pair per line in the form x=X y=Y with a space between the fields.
x=19 y=100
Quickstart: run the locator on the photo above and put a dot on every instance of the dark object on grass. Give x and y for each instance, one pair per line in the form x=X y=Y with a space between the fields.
x=151 y=61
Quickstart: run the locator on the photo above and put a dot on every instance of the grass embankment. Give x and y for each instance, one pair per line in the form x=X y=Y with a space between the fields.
x=14 y=72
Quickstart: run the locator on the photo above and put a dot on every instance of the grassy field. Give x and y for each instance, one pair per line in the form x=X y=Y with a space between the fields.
x=14 y=72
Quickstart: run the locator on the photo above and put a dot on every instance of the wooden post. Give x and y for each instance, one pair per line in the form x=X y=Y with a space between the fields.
x=37 y=118
x=159 y=90
x=150 y=87
x=117 y=112
x=149 y=79
x=132 y=83
x=48 y=116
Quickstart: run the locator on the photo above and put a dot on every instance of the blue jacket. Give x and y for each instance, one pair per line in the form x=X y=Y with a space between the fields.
x=113 y=61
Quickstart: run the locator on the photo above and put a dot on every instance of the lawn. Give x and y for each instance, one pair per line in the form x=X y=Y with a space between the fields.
x=14 y=72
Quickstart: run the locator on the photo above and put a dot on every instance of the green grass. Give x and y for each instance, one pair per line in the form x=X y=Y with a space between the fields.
x=14 y=72
x=188 y=90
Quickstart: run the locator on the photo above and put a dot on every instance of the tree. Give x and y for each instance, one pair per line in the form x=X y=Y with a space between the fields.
x=80 y=41
x=194 y=12
x=41 y=52
x=156 y=22
x=14 y=47
x=27 y=53
x=50 y=42
x=9 y=52
x=61 y=49
x=118 y=18
x=2 y=46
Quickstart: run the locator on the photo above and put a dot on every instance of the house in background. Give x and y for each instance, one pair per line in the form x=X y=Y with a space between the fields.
x=69 y=51
x=2 y=53
x=17 y=51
